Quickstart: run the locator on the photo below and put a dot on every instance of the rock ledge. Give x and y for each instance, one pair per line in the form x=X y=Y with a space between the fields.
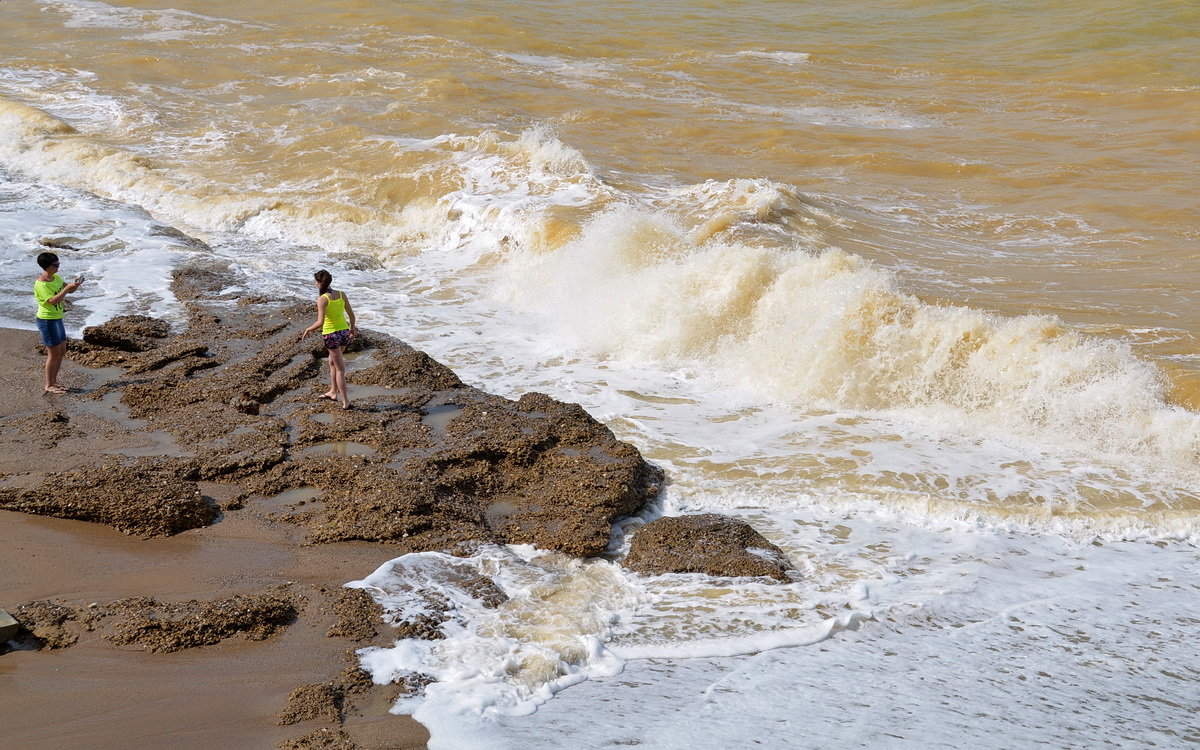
x=710 y=543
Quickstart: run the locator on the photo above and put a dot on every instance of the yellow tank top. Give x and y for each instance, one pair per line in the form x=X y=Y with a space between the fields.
x=335 y=314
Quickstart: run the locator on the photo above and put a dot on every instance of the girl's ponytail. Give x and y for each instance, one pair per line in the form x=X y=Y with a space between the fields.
x=324 y=280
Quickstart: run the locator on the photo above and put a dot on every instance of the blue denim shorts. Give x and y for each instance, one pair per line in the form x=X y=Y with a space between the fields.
x=53 y=331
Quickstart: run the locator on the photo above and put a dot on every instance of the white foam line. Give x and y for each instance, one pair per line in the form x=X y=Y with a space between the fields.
x=744 y=646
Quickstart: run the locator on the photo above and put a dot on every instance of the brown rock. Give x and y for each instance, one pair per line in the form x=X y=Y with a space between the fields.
x=47 y=427
x=244 y=404
x=143 y=498
x=354 y=680
x=444 y=464
x=401 y=366
x=59 y=243
x=322 y=739
x=358 y=615
x=163 y=626
x=712 y=544
x=130 y=333
x=192 y=353
x=317 y=701
x=46 y=622
x=186 y=240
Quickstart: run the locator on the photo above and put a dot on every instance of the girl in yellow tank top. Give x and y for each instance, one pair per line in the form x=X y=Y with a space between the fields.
x=335 y=318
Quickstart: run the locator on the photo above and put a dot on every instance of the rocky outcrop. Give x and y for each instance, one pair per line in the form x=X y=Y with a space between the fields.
x=322 y=739
x=129 y=333
x=144 y=497
x=358 y=615
x=166 y=626
x=712 y=544
x=430 y=463
x=321 y=700
x=44 y=625
x=153 y=625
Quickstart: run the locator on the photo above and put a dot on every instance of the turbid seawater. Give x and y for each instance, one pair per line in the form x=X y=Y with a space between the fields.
x=909 y=286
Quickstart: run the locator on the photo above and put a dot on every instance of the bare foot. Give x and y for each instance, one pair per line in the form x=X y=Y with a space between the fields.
x=330 y=396
x=346 y=406
x=56 y=389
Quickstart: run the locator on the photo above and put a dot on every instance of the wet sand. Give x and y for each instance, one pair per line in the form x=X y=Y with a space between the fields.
x=95 y=694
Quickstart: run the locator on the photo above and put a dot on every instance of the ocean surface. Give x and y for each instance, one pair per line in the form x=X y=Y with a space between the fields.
x=911 y=287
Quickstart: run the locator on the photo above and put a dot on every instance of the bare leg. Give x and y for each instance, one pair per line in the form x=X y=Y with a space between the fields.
x=54 y=360
x=337 y=374
x=331 y=394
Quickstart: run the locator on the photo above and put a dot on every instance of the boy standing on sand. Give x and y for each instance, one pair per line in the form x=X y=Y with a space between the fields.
x=50 y=291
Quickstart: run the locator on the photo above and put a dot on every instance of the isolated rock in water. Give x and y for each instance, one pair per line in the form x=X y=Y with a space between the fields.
x=359 y=261
x=141 y=499
x=130 y=333
x=712 y=544
x=163 y=230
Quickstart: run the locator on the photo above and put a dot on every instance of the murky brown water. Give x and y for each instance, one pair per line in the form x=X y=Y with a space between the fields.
x=890 y=279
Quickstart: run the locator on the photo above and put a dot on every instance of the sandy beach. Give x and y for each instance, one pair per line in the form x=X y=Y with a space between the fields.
x=191 y=509
x=230 y=694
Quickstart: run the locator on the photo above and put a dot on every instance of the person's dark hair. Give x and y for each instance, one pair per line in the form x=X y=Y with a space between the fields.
x=45 y=260
x=324 y=279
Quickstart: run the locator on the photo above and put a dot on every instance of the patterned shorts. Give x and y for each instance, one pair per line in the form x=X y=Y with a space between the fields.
x=337 y=339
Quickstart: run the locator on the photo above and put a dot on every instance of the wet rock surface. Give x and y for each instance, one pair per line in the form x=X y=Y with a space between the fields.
x=151 y=625
x=46 y=429
x=358 y=615
x=220 y=418
x=157 y=626
x=316 y=701
x=146 y=498
x=44 y=625
x=130 y=333
x=322 y=739
x=710 y=543
x=422 y=461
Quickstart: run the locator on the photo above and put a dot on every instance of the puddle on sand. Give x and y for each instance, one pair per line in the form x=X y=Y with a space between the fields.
x=358 y=361
x=295 y=496
x=341 y=448
x=438 y=418
x=103 y=375
x=109 y=406
x=497 y=513
x=164 y=445
x=323 y=418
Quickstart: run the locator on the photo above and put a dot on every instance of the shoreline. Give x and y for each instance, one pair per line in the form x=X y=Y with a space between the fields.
x=228 y=694
x=195 y=508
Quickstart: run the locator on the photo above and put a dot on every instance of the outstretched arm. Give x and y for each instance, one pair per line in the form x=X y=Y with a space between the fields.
x=321 y=302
